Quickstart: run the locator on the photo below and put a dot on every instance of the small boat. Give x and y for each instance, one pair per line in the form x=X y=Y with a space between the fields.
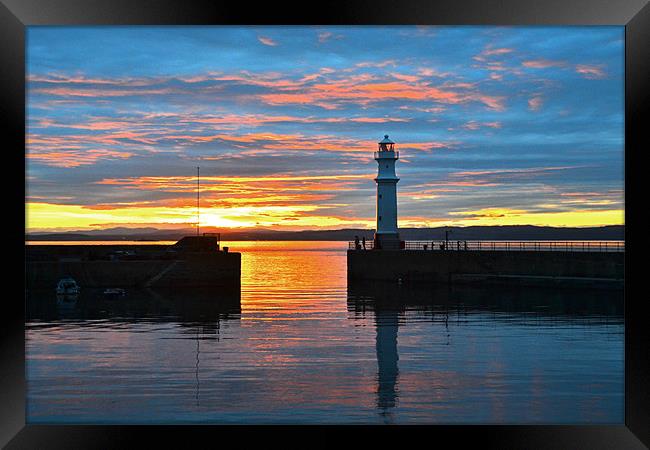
x=67 y=286
x=114 y=292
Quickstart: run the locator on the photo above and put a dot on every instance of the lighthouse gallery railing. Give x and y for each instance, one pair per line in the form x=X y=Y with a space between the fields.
x=387 y=154
x=542 y=246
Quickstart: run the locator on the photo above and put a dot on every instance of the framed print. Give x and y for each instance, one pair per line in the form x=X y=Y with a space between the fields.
x=281 y=219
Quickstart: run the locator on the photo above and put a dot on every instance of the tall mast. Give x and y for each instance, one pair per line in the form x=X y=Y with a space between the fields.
x=198 y=204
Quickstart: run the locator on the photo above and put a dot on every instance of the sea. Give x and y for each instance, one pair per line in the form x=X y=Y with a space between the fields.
x=298 y=344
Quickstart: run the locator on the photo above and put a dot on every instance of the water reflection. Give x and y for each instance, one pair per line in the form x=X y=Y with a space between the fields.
x=392 y=306
x=192 y=308
x=387 y=357
x=444 y=303
x=195 y=314
x=300 y=345
x=66 y=305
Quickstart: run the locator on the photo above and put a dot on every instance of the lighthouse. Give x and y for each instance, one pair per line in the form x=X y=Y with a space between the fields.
x=386 y=236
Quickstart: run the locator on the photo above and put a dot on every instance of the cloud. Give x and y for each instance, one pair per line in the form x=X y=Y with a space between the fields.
x=380 y=64
x=324 y=89
x=498 y=51
x=267 y=41
x=535 y=103
x=543 y=64
x=474 y=125
x=509 y=176
x=325 y=36
x=75 y=158
x=489 y=213
x=334 y=93
x=431 y=72
x=490 y=52
x=591 y=72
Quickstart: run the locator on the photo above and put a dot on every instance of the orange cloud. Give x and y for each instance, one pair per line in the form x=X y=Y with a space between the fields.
x=74 y=158
x=93 y=125
x=404 y=77
x=590 y=72
x=508 y=216
x=243 y=187
x=259 y=119
x=267 y=41
x=492 y=52
x=543 y=64
x=498 y=51
x=95 y=92
x=363 y=93
x=362 y=88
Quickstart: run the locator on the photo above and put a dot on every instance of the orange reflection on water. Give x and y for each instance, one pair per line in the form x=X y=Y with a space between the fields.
x=287 y=279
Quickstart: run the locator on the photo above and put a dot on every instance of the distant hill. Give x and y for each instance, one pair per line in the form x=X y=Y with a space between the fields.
x=506 y=232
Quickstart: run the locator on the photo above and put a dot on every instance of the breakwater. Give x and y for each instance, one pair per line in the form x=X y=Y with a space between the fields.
x=538 y=268
x=97 y=266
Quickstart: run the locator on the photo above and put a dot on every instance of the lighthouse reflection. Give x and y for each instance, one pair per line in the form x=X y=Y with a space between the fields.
x=387 y=357
x=386 y=306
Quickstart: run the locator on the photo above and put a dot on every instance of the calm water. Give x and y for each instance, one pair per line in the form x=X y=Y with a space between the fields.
x=298 y=345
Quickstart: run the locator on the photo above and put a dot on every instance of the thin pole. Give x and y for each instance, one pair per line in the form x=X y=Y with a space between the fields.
x=198 y=204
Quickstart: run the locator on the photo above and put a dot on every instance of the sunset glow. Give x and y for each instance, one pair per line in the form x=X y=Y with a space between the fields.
x=495 y=126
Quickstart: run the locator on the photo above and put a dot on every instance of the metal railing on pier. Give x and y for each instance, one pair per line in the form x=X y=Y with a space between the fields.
x=542 y=246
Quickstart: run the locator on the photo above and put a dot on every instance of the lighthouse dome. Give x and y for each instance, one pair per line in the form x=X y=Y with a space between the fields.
x=386 y=145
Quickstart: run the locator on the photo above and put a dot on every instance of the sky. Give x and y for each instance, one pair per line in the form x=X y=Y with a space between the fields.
x=495 y=125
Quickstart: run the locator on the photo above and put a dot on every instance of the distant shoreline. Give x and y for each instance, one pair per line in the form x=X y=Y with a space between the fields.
x=514 y=232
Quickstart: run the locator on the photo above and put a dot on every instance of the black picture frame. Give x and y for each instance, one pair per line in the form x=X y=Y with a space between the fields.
x=15 y=15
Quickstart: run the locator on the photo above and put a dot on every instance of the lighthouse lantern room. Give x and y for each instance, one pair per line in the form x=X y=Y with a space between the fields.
x=386 y=236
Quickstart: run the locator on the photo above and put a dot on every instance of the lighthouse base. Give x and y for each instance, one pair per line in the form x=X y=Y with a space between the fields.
x=387 y=241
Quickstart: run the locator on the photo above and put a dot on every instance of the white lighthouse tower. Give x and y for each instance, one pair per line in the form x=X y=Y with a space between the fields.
x=386 y=236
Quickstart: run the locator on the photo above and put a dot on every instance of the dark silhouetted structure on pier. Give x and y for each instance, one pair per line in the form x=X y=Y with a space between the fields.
x=194 y=261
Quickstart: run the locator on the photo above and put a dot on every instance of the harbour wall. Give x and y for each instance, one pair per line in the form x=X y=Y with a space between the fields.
x=146 y=266
x=543 y=268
